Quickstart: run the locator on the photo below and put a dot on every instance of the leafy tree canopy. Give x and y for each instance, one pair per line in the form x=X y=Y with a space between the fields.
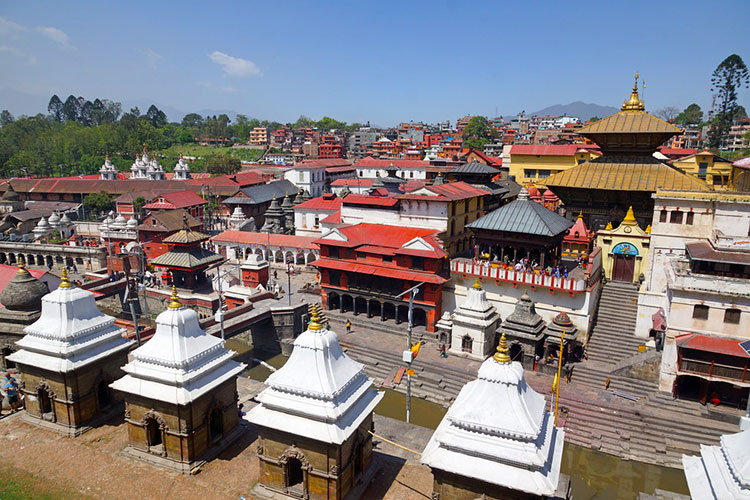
x=478 y=132
x=692 y=115
x=98 y=203
x=728 y=77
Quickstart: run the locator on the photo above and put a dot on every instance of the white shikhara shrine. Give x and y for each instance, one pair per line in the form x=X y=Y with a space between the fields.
x=70 y=334
x=720 y=472
x=180 y=363
x=498 y=432
x=320 y=393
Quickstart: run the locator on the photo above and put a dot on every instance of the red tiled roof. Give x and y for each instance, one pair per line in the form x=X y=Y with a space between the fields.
x=369 y=161
x=491 y=160
x=322 y=163
x=548 y=149
x=334 y=218
x=336 y=170
x=677 y=151
x=179 y=199
x=353 y=182
x=277 y=240
x=720 y=345
x=579 y=233
x=385 y=236
x=320 y=204
x=378 y=201
x=388 y=272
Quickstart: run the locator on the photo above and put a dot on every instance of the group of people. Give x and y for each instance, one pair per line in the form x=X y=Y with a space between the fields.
x=529 y=266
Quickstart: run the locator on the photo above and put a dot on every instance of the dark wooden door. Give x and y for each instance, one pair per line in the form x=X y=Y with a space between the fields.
x=623 y=267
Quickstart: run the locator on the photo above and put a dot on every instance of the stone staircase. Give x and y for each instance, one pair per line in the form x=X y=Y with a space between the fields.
x=613 y=336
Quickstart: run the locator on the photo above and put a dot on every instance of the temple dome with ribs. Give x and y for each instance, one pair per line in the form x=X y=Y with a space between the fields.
x=320 y=393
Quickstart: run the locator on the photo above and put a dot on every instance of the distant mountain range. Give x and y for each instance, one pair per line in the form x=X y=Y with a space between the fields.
x=582 y=110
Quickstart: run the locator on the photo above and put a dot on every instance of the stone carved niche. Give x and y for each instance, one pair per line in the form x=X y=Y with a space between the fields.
x=294 y=452
x=153 y=415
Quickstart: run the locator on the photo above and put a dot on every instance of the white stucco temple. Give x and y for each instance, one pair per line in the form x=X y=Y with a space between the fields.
x=67 y=358
x=313 y=419
x=180 y=392
x=181 y=170
x=147 y=168
x=475 y=325
x=497 y=440
x=108 y=171
x=720 y=472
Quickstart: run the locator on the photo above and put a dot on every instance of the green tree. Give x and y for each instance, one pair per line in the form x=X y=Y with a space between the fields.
x=71 y=109
x=6 y=118
x=478 y=132
x=741 y=114
x=303 y=122
x=98 y=203
x=156 y=116
x=55 y=108
x=138 y=203
x=192 y=120
x=222 y=165
x=328 y=123
x=692 y=115
x=594 y=119
x=726 y=80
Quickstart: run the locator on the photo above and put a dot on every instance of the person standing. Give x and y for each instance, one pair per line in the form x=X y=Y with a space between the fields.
x=348 y=326
x=443 y=354
x=10 y=386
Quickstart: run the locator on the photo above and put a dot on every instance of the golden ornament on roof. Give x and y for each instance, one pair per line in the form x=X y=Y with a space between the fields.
x=174 y=302
x=64 y=282
x=634 y=103
x=501 y=356
x=315 y=320
x=477 y=285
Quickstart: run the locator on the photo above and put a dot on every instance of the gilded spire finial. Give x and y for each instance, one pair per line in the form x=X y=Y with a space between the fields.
x=174 y=301
x=501 y=356
x=634 y=103
x=315 y=320
x=629 y=219
x=477 y=285
x=64 y=282
x=21 y=266
x=580 y=214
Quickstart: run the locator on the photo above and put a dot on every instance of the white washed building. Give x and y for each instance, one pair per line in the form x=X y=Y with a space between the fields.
x=720 y=472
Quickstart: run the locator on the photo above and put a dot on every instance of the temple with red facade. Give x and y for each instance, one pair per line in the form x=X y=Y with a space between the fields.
x=365 y=267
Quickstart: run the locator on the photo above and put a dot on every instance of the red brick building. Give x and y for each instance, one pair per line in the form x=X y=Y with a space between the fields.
x=364 y=267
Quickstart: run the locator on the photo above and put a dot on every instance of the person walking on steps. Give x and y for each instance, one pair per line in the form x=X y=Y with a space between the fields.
x=348 y=326
x=443 y=354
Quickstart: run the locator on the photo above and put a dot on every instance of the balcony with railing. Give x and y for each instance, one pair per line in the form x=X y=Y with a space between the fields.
x=681 y=277
x=578 y=281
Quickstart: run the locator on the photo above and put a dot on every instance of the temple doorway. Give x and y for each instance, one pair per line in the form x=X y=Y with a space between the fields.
x=623 y=267
x=45 y=405
x=294 y=475
x=216 y=424
x=102 y=395
x=466 y=343
x=153 y=436
x=358 y=460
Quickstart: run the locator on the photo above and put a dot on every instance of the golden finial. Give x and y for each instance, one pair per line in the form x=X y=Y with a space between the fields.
x=21 y=266
x=174 y=301
x=64 y=283
x=477 y=285
x=648 y=229
x=608 y=227
x=580 y=215
x=634 y=103
x=501 y=356
x=629 y=219
x=315 y=320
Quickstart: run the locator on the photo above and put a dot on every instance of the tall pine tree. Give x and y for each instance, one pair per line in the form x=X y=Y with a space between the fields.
x=727 y=79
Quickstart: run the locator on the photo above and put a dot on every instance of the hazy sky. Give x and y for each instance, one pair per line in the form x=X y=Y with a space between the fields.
x=379 y=61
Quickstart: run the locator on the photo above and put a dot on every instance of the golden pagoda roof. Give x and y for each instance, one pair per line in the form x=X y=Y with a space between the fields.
x=619 y=173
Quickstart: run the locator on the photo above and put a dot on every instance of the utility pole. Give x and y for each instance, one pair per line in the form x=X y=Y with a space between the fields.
x=408 y=355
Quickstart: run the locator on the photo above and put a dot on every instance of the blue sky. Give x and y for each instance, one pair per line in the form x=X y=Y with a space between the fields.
x=356 y=61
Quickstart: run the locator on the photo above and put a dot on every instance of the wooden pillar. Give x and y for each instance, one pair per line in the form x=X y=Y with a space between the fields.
x=354 y=305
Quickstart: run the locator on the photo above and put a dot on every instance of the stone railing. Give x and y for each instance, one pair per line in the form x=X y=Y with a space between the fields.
x=495 y=272
x=679 y=276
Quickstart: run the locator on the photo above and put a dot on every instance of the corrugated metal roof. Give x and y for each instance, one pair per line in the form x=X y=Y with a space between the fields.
x=186 y=258
x=630 y=122
x=475 y=167
x=265 y=192
x=626 y=173
x=523 y=216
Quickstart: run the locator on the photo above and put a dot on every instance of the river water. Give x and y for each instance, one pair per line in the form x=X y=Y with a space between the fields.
x=593 y=475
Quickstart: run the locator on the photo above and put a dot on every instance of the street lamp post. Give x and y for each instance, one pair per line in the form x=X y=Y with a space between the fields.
x=408 y=354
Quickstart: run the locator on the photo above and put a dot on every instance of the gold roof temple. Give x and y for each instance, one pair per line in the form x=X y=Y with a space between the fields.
x=626 y=174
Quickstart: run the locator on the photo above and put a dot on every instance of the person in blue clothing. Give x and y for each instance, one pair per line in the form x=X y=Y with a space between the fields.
x=10 y=387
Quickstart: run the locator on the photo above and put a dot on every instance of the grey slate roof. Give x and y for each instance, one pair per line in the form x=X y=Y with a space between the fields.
x=523 y=216
x=186 y=258
x=475 y=167
x=263 y=193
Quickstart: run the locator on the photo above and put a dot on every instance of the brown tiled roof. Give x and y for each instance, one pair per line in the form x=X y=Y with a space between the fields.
x=619 y=173
x=169 y=220
x=630 y=122
x=185 y=236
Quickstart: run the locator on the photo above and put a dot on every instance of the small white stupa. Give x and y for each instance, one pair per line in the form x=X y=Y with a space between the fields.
x=191 y=378
x=181 y=170
x=721 y=472
x=322 y=395
x=108 y=171
x=475 y=325
x=498 y=437
x=68 y=356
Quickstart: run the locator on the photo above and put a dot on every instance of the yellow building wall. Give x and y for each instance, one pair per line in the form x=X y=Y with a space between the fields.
x=636 y=236
x=521 y=165
x=717 y=173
